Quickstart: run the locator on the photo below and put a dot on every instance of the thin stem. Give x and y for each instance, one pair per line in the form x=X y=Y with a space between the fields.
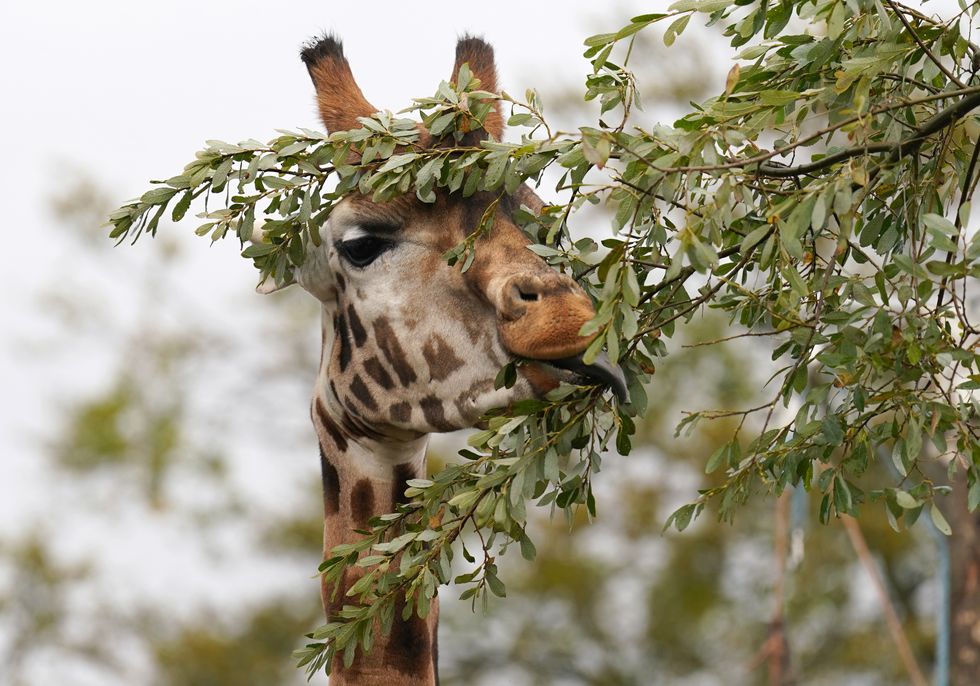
x=918 y=41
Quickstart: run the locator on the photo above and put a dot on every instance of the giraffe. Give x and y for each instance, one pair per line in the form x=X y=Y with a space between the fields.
x=412 y=346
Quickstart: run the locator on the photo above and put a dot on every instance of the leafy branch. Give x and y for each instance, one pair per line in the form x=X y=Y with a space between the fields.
x=852 y=270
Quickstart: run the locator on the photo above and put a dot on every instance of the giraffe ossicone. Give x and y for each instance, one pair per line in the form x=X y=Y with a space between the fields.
x=412 y=345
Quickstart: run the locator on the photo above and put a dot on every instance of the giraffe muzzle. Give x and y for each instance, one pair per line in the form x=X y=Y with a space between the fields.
x=602 y=372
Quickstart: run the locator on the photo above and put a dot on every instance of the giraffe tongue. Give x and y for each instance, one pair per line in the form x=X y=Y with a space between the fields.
x=602 y=371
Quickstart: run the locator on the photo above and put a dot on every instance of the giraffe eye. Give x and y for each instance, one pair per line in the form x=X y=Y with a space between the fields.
x=364 y=250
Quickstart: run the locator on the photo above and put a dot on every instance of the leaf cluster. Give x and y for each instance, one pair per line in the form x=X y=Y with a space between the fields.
x=822 y=201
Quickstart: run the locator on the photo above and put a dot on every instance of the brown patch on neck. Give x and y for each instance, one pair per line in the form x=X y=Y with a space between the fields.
x=440 y=357
x=336 y=435
x=393 y=351
x=402 y=473
x=362 y=503
x=331 y=484
x=409 y=647
x=362 y=393
x=400 y=412
x=376 y=371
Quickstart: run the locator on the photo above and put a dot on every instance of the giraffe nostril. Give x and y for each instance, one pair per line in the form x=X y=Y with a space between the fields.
x=526 y=296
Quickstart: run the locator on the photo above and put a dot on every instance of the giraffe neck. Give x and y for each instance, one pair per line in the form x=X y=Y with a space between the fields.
x=365 y=475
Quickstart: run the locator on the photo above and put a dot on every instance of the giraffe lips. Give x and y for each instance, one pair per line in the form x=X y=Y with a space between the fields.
x=602 y=371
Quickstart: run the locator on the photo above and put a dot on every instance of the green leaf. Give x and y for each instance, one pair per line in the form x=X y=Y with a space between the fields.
x=158 y=196
x=754 y=238
x=259 y=250
x=675 y=29
x=778 y=97
x=939 y=520
x=496 y=585
x=939 y=223
x=973 y=499
x=180 y=208
x=717 y=459
x=705 y=6
x=906 y=500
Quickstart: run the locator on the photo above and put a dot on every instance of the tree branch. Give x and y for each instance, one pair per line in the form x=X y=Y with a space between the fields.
x=922 y=46
x=906 y=146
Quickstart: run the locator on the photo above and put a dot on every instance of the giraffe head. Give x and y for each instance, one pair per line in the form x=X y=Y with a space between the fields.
x=411 y=343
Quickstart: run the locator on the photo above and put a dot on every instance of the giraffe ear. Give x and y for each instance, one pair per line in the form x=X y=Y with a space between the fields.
x=478 y=54
x=338 y=96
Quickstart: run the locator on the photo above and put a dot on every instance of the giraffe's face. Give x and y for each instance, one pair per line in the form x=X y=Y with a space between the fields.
x=410 y=342
x=416 y=344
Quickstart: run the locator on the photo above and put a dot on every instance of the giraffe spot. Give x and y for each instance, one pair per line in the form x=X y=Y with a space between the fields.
x=440 y=357
x=400 y=412
x=376 y=371
x=362 y=503
x=331 y=484
x=362 y=393
x=402 y=473
x=393 y=351
x=341 y=284
x=340 y=326
x=356 y=328
x=336 y=435
x=434 y=414
x=408 y=650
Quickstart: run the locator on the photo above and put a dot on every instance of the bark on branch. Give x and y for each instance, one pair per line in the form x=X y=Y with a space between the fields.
x=897 y=150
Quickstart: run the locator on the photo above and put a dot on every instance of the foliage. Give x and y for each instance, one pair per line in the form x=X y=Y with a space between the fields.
x=251 y=655
x=821 y=201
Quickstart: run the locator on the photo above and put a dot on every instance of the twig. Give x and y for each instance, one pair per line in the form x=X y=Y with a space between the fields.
x=888 y=609
x=906 y=146
x=908 y=27
x=766 y=156
x=731 y=338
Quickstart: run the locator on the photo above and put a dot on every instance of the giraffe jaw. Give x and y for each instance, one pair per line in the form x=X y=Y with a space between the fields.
x=601 y=371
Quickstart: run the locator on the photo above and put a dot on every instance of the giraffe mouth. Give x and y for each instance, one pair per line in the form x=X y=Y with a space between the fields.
x=602 y=372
